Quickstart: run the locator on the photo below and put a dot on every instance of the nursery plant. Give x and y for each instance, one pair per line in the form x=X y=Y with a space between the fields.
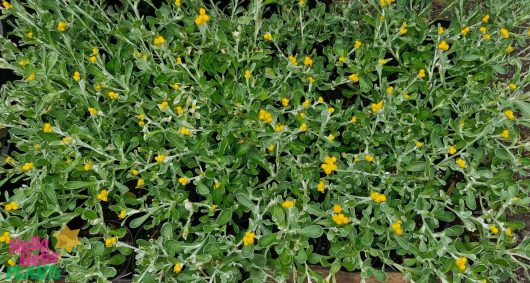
x=190 y=141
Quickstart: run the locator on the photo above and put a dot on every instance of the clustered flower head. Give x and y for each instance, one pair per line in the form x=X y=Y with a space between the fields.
x=5 y=238
x=27 y=166
x=178 y=267
x=111 y=241
x=265 y=116
x=103 y=195
x=396 y=226
x=288 y=204
x=47 y=128
x=403 y=29
x=354 y=78
x=159 y=40
x=377 y=197
x=321 y=186
x=183 y=181
x=421 y=73
x=493 y=229
x=376 y=107
x=338 y=217
x=248 y=239
x=329 y=166
x=461 y=163
x=11 y=206
x=160 y=158
x=202 y=18
x=61 y=26
x=7 y=5
x=509 y=114
x=443 y=45
x=461 y=263
x=505 y=134
x=384 y=3
x=267 y=36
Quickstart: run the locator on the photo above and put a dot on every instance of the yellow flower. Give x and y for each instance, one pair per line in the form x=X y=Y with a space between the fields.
x=419 y=144
x=483 y=29
x=7 y=5
x=307 y=103
x=61 y=26
x=248 y=74
x=357 y=44
x=509 y=114
x=112 y=95
x=461 y=163
x=403 y=29
x=390 y=90
x=302 y=115
x=505 y=134
x=331 y=110
x=377 y=197
x=285 y=102
x=77 y=76
x=28 y=166
x=11 y=262
x=24 y=62
x=320 y=99
x=47 y=128
x=93 y=111
x=509 y=49
x=288 y=204
x=452 y=150
x=384 y=3
x=308 y=61
x=185 y=131
x=331 y=137
x=98 y=86
x=111 y=242
x=122 y=214
x=95 y=51
x=67 y=140
x=267 y=36
x=461 y=263
x=508 y=232
x=376 y=107
x=303 y=127
x=217 y=185
x=10 y=160
x=486 y=18
x=92 y=59
x=443 y=45
x=159 y=40
x=505 y=33
x=183 y=181
x=179 y=110
x=342 y=59
x=248 y=239
x=278 y=128
x=493 y=229
x=487 y=36
x=421 y=73
x=382 y=61
x=396 y=226
x=340 y=219
x=87 y=166
x=134 y=172
x=465 y=31
x=321 y=186
x=140 y=182
x=271 y=147
x=292 y=59
x=354 y=78
x=178 y=266
x=337 y=208
x=103 y=195
x=265 y=116
x=11 y=206
x=369 y=158
x=5 y=238
x=31 y=77
x=329 y=166
x=36 y=147
x=311 y=80
x=202 y=18
x=441 y=30
x=354 y=119
x=160 y=158
x=512 y=86
x=163 y=105
x=179 y=60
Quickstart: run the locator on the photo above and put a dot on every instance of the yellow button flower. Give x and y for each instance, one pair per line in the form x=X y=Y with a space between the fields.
x=303 y=127
x=461 y=263
x=285 y=102
x=7 y=5
x=505 y=33
x=265 y=116
x=134 y=172
x=140 y=182
x=278 y=128
x=329 y=166
x=377 y=197
x=28 y=166
x=248 y=239
x=509 y=114
x=61 y=26
x=202 y=18
x=396 y=226
x=185 y=131
x=461 y=163
x=509 y=49
x=93 y=111
x=452 y=150
x=103 y=195
x=321 y=186
x=292 y=59
x=390 y=90
x=271 y=147
x=183 y=181
x=486 y=18
x=160 y=158
x=111 y=241
x=11 y=262
x=178 y=266
x=76 y=76
x=354 y=78
x=163 y=105
x=311 y=80
x=505 y=134
x=31 y=77
x=403 y=29
x=122 y=214
x=443 y=45
x=248 y=74
x=288 y=204
x=342 y=59
x=441 y=30
x=92 y=59
x=47 y=128
x=376 y=107
x=382 y=61
x=337 y=208
x=308 y=61
x=113 y=95
x=5 y=238
x=465 y=31
x=419 y=144
x=331 y=110
x=340 y=219
x=357 y=44
x=493 y=229
x=354 y=119
x=331 y=137
x=11 y=206
x=512 y=86
x=483 y=29
x=320 y=99
x=217 y=185
x=307 y=103
x=508 y=232
x=421 y=73
x=369 y=158
x=267 y=36
x=159 y=40
x=87 y=166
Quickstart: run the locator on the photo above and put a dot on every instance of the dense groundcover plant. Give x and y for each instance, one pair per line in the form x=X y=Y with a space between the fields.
x=251 y=140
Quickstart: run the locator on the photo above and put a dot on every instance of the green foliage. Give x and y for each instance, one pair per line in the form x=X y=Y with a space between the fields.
x=202 y=130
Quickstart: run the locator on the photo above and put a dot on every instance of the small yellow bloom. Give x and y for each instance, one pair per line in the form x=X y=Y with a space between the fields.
x=509 y=49
x=461 y=263
x=31 y=77
x=179 y=110
x=329 y=166
x=179 y=60
x=396 y=226
x=307 y=103
x=483 y=29
x=92 y=59
x=357 y=44
x=493 y=229
x=248 y=239
x=337 y=208
x=321 y=186
x=11 y=262
x=24 y=62
x=271 y=147
x=369 y=158
x=278 y=128
x=265 y=116
x=340 y=219
x=377 y=197
x=134 y=172
x=331 y=110
x=28 y=166
x=461 y=163
x=10 y=160
x=122 y=214
x=160 y=158
x=77 y=76
x=95 y=51
x=288 y=204
x=178 y=3
x=140 y=182
x=486 y=18
x=509 y=114
x=159 y=40
x=376 y=107
x=421 y=73
x=512 y=86
x=36 y=147
x=320 y=99
x=185 y=131
x=308 y=61
x=67 y=140
x=403 y=29
x=183 y=181
x=331 y=137
x=505 y=33
x=354 y=78
x=302 y=115
x=311 y=80
x=61 y=26
x=5 y=238
x=267 y=36
x=443 y=45
x=248 y=74
x=113 y=95
x=163 y=105
x=382 y=61
x=111 y=242
x=465 y=31
x=505 y=134
x=7 y=5
x=441 y=30
x=390 y=90
x=202 y=18
x=303 y=127
x=98 y=86
x=47 y=128
x=452 y=150
x=292 y=59
x=217 y=185
x=342 y=59
x=87 y=166
x=11 y=206
x=178 y=266
x=93 y=111
x=508 y=232
x=285 y=102
x=103 y=195
x=419 y=144
x=487 y=36
x=354 y=119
